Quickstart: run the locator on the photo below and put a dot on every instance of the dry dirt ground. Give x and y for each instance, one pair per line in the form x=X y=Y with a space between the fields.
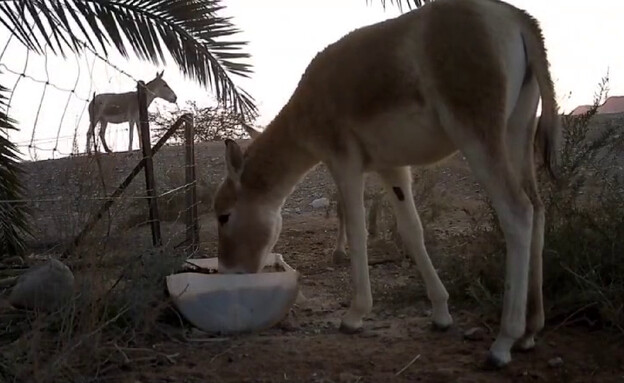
x=307 y=346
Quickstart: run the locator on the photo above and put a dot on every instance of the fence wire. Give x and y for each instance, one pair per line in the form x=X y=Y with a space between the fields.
x=64 y=194
x=61 y=93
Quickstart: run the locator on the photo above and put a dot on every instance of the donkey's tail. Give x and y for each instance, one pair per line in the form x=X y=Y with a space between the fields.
x=549 y=126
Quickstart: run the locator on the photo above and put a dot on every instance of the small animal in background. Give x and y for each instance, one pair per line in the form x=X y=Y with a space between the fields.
x=116 y=108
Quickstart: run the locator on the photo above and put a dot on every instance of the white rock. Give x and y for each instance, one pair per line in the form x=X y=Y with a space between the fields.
x=43 y=287
x=556 y=362
x=320 y=202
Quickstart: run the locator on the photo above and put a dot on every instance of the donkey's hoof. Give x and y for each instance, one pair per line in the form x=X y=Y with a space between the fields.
x=340 y=257
x=526 y=344
x=492 y=362
x=440 y=327
x=498 y=357
x=441 y=319
x=350 y=330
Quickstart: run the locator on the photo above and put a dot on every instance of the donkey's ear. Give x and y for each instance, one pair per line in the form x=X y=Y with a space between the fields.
x=233 y=160
x=253 y=133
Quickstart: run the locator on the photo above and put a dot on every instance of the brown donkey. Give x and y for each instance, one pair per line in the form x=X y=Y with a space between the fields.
x=454 y=75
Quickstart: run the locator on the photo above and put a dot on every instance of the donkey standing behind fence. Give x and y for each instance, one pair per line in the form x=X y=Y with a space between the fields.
x=124 y=107
x=454 y=75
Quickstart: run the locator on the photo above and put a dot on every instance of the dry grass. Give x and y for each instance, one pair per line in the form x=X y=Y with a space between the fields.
x=172 y=207
x=120 y=300
x=113 y=311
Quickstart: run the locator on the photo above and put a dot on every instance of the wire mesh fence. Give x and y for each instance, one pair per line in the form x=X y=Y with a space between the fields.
x=50 y=99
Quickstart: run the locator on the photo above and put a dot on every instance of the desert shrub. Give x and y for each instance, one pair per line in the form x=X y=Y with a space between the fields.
x=583 y=270
x=214 y=122
x=95 y=336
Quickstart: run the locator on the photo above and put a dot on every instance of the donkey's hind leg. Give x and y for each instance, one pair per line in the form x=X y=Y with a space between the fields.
x=489 y=162
x=520 y=146
x=340 y=253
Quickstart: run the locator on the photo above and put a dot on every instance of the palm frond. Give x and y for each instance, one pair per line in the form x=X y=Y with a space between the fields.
x=411 y=4
x=191 y=30
x=14 y=216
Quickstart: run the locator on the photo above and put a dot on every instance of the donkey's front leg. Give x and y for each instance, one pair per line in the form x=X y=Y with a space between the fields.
x=350 y=185
x=131 y=134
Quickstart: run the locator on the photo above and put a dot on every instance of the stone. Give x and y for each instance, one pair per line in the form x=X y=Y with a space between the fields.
x=320 y=203
x=43 y=287
x=555 y=362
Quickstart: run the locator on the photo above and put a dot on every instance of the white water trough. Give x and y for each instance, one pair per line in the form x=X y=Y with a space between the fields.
x=230 y=303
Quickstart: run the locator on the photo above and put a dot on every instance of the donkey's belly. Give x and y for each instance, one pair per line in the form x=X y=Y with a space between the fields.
x=117 y=118
x=404 y=138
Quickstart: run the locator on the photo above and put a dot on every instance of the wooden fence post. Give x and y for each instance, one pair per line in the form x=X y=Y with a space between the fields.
x=192 y=226
x=146 y=147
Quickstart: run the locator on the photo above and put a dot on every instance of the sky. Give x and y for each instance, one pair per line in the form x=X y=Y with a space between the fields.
x=583 y=41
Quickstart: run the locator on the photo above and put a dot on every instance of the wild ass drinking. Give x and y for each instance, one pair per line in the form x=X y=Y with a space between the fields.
x=116 y=108
x=454 y=75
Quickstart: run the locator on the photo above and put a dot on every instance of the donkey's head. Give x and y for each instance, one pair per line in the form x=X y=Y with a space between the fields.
x=161 y=89
x=248 y=225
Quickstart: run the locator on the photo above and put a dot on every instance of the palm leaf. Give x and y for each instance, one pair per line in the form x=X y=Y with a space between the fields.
x=14 y=223
x=195 y=36
x=411 y=4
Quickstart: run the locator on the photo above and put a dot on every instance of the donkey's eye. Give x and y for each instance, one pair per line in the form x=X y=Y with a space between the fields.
x=223 y=218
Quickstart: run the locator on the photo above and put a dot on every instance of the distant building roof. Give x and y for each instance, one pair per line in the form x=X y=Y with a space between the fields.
x=613 y=104
x=581 y=109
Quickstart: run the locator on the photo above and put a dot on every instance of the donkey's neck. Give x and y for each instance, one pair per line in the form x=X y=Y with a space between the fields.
x=275 y=162
x=150 y=95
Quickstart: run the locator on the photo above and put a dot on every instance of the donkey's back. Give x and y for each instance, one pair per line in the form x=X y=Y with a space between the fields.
x=114 y=107
x=388 y=85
